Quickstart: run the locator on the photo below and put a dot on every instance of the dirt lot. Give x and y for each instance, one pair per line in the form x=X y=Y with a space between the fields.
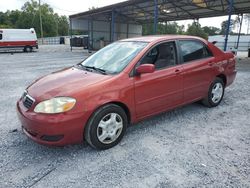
x=192 y=146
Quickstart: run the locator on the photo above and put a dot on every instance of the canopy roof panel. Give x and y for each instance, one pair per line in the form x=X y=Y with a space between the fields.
x=142 y=11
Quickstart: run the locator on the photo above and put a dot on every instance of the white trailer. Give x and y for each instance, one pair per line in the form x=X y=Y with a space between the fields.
x=24 y=39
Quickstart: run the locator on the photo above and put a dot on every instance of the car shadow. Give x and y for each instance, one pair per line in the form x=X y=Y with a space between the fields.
x=12 y=52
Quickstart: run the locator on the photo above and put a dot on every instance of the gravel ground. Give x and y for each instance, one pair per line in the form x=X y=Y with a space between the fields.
x=192 y=146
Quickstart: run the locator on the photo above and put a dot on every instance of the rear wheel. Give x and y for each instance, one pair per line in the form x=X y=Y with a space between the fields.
x=215 y=93
x=27 y=49
x=106 y=127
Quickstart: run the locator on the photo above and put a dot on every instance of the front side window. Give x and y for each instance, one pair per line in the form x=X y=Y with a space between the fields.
x=1 y=36
x=193 y=50
x=162 y=55
x=114 y=57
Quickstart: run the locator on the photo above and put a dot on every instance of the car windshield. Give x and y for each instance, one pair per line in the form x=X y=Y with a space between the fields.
x=115 y=57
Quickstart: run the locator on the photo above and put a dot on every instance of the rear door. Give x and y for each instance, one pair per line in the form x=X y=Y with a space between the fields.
x=198 y=63
x=162 y=89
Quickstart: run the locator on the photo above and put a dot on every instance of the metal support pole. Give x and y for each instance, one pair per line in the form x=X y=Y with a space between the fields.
x=88 y=35
x=70 y=22
x=41 y=22
x=127 y=29
x=92 y=34
x=110 y=31
x=155 y=16
x=231 y=3
x=113 y=26
x=238 y=40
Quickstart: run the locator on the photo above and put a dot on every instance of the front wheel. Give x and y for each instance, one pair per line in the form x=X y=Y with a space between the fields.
x=106 y=127
x=215 y=93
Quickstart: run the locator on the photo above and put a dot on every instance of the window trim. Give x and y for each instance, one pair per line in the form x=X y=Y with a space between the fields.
x=178 y=60
x=195 y=40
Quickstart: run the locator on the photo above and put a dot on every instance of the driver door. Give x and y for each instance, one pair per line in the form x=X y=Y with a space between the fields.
x=163 y=89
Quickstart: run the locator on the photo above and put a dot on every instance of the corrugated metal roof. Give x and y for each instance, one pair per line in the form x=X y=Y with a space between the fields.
x=142 y=11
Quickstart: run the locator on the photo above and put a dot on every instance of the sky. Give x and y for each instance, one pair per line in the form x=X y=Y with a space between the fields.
x=68 y=7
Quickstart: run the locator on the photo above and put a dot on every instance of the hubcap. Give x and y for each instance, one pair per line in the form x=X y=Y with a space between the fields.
x=217 y=92
x=109 y=128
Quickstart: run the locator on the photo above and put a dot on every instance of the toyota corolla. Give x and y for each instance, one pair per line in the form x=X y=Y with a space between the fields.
x=123 y=83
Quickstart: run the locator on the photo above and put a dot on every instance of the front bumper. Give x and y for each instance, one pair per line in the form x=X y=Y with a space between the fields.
x=57 y=129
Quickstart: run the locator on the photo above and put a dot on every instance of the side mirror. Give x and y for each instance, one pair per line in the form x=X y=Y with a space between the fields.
x=145 y=68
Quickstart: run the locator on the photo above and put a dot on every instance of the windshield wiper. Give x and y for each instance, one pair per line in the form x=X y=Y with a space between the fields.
x=88 y=68
x=95 y=68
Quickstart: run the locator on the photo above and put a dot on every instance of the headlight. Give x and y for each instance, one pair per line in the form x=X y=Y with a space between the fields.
x=55 y=105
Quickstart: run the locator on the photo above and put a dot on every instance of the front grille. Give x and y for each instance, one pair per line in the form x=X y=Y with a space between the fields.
x=27 y=100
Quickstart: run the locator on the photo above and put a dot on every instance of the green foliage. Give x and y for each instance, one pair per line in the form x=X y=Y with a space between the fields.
x=163 y=28
x=79 y=32
x=148 y=29
x=196 y=30
x=224 y=26
x=28 y=17
x=210 y=30
x=173 y=28
x=63 y=26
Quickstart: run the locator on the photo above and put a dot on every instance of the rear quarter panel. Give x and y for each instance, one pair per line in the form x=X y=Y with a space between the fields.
x=224 y=64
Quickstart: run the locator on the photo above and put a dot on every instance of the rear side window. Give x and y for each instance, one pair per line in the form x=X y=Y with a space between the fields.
x=193 y=50
x=1 y=36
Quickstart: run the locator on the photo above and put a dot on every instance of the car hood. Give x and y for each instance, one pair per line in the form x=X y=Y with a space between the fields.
x=66 y=82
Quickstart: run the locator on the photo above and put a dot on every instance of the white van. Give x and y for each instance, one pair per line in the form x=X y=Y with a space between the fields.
x=24 y=39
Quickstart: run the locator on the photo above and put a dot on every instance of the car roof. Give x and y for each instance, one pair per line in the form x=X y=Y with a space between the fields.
x=156 y=38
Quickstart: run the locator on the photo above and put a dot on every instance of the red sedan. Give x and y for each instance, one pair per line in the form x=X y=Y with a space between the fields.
x=123 y=83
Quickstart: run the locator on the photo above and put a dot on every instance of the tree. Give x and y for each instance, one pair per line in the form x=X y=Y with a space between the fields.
x=167 y=28
x=148 y=29
x=196 y=30
x=13 y=16
x=4 y=20
x=63 y=26
x=181 y=30
x=163 y=28
x=224 y=26
x=210 y=30
x=28 y=17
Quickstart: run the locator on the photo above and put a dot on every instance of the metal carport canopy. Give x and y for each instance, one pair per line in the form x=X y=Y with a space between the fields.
x=143 y=11
x=148 y=11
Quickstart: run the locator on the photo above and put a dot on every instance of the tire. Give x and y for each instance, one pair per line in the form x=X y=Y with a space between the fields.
x=215 y=93
x=106 y=127
x=28 y=49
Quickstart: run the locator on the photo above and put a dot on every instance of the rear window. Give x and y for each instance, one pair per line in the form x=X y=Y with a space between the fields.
x=193 y=50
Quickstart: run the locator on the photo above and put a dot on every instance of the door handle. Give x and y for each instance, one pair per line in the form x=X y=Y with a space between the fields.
x=210 y=63
x=177 y=71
